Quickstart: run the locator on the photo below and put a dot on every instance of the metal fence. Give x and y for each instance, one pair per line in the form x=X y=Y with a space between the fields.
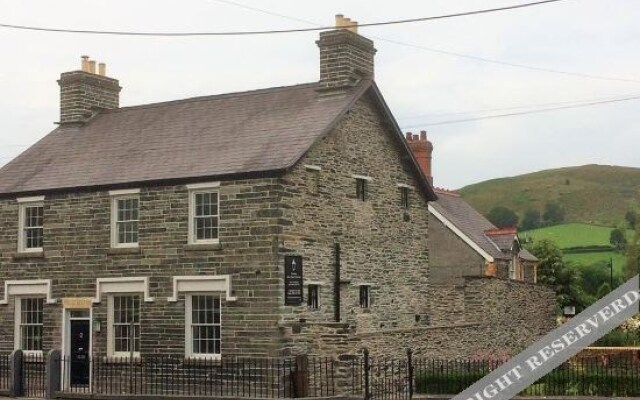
x=382 y=378
x=610 y=375
x=5 y=372
x=33 y=375
x=176 y=376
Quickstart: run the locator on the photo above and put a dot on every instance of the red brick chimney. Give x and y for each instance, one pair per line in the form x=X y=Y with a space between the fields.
x=422 y=150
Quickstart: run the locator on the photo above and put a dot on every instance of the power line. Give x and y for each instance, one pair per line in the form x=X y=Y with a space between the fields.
x=576 y=102
x=445 y=52
x=457 y=121
x=268 y=32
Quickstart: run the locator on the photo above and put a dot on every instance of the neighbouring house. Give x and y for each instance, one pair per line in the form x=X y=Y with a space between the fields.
x=464 y=246
x=264 y=223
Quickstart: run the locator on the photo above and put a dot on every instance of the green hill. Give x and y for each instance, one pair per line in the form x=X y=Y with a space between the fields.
x=591 y=194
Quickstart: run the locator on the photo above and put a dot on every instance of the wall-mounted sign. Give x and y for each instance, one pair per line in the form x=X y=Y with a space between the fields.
x=293 y=290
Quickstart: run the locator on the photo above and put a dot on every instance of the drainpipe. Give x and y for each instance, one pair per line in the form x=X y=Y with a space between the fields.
x=336 y=285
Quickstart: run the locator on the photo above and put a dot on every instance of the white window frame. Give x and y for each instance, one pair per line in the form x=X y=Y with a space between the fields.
x=117 y=195
x=188 y=333
x=23 y=204
x=512 y=269
x=111 y=344
x=196 y=188
x=18 y=324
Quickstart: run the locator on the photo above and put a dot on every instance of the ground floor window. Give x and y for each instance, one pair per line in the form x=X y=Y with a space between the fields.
x=203 y=324
x=29 y=322
x=124 y=332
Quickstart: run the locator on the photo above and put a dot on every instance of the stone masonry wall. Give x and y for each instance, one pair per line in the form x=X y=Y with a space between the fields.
x=77 y=251
x=382 y=244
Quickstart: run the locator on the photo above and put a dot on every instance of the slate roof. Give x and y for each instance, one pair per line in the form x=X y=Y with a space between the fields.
x=215 y=136
x=475 y=226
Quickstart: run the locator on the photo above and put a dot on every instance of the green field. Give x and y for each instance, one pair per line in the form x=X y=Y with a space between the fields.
x=571 y=235
x=581 y=235
x=619 y=260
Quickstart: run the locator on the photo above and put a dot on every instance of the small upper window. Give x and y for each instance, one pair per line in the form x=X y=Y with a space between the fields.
x=404 y=197
x=313 y=297
x=204 y=214
x=361 y=189
x=364 y=296
x=124 y=218
x=31 y=224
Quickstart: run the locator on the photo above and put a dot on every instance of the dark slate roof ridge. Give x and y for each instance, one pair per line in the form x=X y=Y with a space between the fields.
x=211 y=97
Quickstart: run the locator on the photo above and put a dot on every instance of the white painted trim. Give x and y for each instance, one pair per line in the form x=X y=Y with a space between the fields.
x=366 y=178
x=32 y=199
x=124 y=192
x=22 y=206
x=203 y=284
x=364 y=284
x=404 y=185
x=205 y=185
x=460 y=234
x=313 y=167
x=193 y=190
x=28 y=287
x=114 y=218
x=66 y=336
x=128 y=284
x=188 y=336
x=110 y=334
x=318 y=283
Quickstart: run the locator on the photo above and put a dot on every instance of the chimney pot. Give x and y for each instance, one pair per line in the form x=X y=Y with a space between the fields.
x=92 y=66
x=423 y=136
x=422 y=150
x=354 y=26
x=84 y=63
x=414 y=138
x=408 y=136
x=102 y=69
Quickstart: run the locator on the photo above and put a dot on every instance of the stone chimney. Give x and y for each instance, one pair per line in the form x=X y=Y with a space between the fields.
x=345 y=56
x=422 y=150
x=84 y=92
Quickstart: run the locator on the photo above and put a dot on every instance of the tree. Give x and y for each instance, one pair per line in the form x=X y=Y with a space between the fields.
x=633 y=255
x=631 y=217
x=553 y=213
x=561 y=277
x=531 y=220
x=617 y=239
x=502 y=217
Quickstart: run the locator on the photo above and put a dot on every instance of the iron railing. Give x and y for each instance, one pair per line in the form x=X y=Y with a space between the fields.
x=33 y=375
x=611 y=375
x=176 y=376
x=5 y=372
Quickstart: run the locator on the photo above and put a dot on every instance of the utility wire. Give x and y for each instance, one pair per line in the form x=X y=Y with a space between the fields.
x=484 y=110
x=268 y=32
x=445 y=52
x=457 y=121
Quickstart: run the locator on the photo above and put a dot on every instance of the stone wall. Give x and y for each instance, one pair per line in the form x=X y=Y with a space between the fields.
x=382 y=244
x=77 y=251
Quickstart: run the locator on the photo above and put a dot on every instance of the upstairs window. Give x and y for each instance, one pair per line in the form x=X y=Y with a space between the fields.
x=204 y=213
x=31 y=224
x=364 y=296
x=125 y=206
x=404 y=197
x=313 y=297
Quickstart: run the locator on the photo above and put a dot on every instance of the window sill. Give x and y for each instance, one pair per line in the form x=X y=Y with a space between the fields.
x=122 y=359
x=114 y=251
x=203 y=246
x=28 y=254
x=196 y=360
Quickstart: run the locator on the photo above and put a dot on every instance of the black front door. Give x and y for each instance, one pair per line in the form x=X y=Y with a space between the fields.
x=79 y=352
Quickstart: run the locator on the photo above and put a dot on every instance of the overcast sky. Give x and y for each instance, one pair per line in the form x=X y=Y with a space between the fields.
x=422 y=87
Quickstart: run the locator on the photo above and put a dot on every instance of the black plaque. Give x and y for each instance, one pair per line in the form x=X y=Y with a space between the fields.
x=293 y=290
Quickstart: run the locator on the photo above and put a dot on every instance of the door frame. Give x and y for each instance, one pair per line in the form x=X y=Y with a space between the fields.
x=65 y=376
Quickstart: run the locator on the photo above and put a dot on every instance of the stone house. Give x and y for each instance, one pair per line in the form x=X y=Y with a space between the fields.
x=218 y=225
x=264 y=223
x=464 y=244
